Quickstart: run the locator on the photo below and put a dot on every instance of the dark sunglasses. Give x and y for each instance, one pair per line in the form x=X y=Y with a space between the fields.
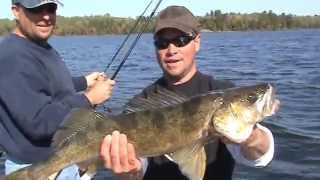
x=49 y=8
x=180 y=41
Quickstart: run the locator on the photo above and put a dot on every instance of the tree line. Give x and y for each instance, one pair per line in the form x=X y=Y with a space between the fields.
x=211 y=21
x=218 y=21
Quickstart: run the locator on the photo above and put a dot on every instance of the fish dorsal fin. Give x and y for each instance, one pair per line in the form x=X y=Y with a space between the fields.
x=72 y=126
x=191 y=161
x=158 y=99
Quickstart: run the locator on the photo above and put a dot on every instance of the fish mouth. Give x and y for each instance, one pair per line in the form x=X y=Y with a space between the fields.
x=266 y=102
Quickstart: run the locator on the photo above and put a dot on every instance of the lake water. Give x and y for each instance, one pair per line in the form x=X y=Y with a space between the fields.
x=288 y=59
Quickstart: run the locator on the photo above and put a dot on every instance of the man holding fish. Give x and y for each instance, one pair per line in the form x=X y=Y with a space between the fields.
x=177 y=41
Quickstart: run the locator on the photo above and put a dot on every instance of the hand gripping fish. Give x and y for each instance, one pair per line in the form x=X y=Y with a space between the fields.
x=165 y=124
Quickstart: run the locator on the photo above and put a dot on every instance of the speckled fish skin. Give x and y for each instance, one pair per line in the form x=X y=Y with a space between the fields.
x=158 y=131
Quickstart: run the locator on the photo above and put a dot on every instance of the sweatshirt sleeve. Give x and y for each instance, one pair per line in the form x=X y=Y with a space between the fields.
x=28 y=101
x=80 y=83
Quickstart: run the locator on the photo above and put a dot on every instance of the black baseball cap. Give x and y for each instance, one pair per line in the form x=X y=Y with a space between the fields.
x=35 y=3
x=178 y=17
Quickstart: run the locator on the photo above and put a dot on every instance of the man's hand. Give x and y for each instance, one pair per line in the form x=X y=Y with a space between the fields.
x=94 y=77
x=119 y=156
x=100 y=91
x=256 y=145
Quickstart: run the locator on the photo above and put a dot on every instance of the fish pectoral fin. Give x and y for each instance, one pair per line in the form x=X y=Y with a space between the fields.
x=191 y=161
x=54 y=176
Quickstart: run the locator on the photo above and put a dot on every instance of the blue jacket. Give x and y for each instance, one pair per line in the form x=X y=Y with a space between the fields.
x=36 y=93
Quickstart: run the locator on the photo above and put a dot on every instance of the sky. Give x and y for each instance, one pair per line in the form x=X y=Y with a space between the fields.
x=133 y=8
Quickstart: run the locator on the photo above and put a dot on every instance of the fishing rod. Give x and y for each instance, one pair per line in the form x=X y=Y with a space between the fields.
x=127 y=37
x=136 y=40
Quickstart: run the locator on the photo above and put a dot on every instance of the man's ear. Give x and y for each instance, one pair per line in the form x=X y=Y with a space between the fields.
x=197 y=42
x=16 y=10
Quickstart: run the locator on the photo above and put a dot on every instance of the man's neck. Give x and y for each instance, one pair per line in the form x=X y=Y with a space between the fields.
x=20 y=33
x=180 y=80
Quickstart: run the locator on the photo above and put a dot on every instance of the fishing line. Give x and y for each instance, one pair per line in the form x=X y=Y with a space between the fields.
x=136 y=40
x=127 y=37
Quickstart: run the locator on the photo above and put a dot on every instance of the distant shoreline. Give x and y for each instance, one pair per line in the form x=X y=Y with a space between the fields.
x=213 y=21
x=202 y=31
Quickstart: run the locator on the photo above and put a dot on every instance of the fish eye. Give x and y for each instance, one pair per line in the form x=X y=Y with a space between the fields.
x=219 y=100
x=252 y=98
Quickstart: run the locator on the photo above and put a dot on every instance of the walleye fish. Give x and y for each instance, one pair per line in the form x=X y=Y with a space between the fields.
x=164 y=124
